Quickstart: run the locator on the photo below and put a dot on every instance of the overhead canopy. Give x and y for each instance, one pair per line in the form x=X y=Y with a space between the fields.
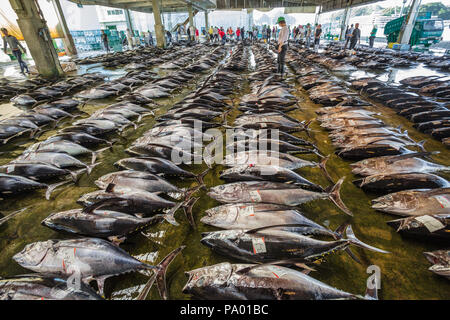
x=180 y=5
x=146 y=5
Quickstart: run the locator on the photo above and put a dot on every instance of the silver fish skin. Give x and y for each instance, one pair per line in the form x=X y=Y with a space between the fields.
x=265 y=282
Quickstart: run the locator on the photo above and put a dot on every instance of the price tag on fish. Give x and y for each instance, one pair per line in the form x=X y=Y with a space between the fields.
x=444 y=201
x=255 y=196
x=431 y=223
x=259 y=246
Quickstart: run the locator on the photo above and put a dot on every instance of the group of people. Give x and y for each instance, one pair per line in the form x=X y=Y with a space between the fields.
x=352 y=36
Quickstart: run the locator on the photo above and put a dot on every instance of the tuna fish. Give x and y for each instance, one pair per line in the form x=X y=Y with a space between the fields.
x=11 y=185
x=258 y=282
x=430 y=227
x=135 y=180
x=415 y=202
x=269 y=244
x=386 y=183
x=275 y=193
x=396 y=164
x=44 y=287
x=88 y=258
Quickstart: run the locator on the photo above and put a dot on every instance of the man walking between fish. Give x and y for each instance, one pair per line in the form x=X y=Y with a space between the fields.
x=282 y=44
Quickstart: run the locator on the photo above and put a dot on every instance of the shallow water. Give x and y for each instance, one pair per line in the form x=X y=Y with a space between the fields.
x=404 y=273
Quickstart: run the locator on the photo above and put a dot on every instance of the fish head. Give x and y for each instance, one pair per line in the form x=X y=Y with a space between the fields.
x=220 y=214
x=33 y=254
x=383 y=202
x=438 y=257
x=201 y=280
x=226 y=192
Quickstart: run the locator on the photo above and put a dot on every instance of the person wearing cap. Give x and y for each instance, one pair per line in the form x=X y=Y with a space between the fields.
x=282 y=44
x=15 y=46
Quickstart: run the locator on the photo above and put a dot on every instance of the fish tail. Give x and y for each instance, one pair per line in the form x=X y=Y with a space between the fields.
x=159 y=276
x=53 y=187
x=89 y=168
x=323 y=166
x=170 y=216
x=420 y=145
x=96 y=153
x=188 y=211
x=335 y=196
x=355 y=241
x=200 y=177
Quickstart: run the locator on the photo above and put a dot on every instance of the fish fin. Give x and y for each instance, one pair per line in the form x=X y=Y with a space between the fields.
x=53 y=187
x=420 y=145
x=323 y=166
x=11 y=215
x=96 y=153
x=170 y=216
x=188 y=211
x=201 y=176
x=101 y=285
x=335 y=196
x=352 y=255
x=353 y=240
x=89 y=168
x=256 y=230
x=116 y=240
x=76 y=174
x=160 y=276
x=371 y=293
x=339 y=232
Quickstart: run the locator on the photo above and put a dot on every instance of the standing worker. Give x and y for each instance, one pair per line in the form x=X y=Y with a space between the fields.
x=356 y=35
x=348 y=36
x=282 y=44
x=105 y=40
x=15 y=46
x=373 y=34
x=308 y=35
x=317 y=34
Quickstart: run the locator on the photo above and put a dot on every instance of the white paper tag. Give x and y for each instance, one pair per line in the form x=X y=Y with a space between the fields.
x=263 y=125
x=431 y=223
x=259 y=245
x=246 y=211
x=9 y=168
x=444 y=201
x=255 y=196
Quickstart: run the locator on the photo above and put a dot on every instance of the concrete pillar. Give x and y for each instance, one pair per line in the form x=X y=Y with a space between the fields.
x=159 y=28
x=69 y=45
x=408 y=25
x=316 y=17
x=250 y=19
x=344 y=22
x=37 y=36
x=191 y=15
x=206 y=21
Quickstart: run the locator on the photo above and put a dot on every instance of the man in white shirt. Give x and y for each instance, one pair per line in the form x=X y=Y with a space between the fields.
x=282 y=44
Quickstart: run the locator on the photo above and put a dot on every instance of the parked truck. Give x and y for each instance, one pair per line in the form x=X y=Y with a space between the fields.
x=427 y=30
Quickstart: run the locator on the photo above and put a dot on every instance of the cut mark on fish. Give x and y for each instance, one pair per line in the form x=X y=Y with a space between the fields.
x=246 y=211
x=431 y=223
x=259 y=246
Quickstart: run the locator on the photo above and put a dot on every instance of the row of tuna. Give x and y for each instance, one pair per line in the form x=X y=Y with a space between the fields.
x=388 y=166
x=128 y=201
x=259 y=213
